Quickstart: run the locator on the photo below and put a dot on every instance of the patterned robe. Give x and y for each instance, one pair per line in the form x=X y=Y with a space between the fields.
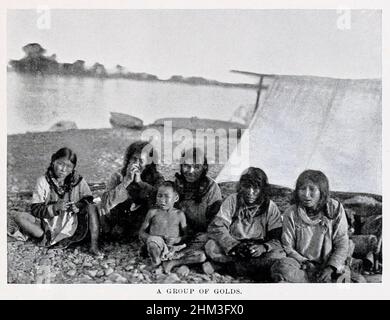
x=58 y=226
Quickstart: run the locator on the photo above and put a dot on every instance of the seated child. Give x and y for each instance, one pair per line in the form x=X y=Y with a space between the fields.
x=315 y=234
x=62 y=210
x=164 y=226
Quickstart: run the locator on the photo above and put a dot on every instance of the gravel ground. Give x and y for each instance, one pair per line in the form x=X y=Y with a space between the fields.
x=100 y=153
x=120 y=263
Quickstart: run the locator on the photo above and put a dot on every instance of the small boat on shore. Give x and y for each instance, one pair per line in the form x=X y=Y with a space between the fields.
x=195 y=123
x=122 y=120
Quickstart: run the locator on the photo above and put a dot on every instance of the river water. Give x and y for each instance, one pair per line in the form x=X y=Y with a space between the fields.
x=36 y=103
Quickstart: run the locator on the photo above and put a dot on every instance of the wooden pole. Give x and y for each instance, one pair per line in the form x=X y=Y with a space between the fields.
x=261 y=76
x=258 y=94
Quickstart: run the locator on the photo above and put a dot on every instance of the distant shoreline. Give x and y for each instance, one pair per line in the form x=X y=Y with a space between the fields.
x=193 y=81
x=36 y=62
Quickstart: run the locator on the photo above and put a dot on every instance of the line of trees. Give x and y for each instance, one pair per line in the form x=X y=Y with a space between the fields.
x=36 y=62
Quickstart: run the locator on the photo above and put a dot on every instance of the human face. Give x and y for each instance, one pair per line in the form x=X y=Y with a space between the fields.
x=62 y=168
x=166 y=198
x=192 y=172
x=137 y=160
x=309 y=195
x=250 y=194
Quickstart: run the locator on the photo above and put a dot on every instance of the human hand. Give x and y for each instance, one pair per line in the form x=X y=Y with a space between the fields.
x=59 y=206
x=256 y=250
x=137 y=176
x=325 y=275
x=73 y=207
x=307 y=265
x=132 y=174
x=128 y=178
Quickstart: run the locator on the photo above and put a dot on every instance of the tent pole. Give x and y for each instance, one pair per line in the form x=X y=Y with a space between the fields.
x=258 y=93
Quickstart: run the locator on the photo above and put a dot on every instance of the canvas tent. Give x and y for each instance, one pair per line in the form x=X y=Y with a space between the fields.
x=304 y=122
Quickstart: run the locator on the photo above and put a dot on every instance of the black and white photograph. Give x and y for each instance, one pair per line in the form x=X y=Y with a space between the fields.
x=213 y=146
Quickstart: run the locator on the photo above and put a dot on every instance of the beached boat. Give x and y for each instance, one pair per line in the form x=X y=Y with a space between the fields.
x=194 y=123
x=122 y=120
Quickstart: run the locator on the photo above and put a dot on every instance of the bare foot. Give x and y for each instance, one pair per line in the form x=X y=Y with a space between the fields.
x=94 y=250
x=183 y=271
x=179 y=247
x=156 y=261
x=208 y=268
x=168 y=265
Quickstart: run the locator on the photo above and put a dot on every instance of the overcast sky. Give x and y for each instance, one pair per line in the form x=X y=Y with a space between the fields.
x=208 y=43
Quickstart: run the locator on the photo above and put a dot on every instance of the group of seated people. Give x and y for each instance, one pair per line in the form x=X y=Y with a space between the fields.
x=185 y=222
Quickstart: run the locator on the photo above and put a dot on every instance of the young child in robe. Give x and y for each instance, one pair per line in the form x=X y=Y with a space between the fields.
x=315 y=234
x=62 y=209
x=164 y=227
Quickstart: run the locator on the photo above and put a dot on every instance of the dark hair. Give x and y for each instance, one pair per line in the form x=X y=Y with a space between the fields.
x=168 y=184
x=139 y=147
x=73 y=178
x=64 y=153
x=319 y=179
x=255 y=178
x=194 y=154
x=198 y=188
